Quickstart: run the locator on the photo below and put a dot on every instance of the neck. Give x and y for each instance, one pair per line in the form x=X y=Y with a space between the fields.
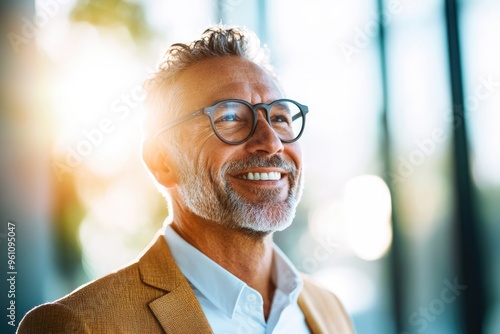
x=246 y=256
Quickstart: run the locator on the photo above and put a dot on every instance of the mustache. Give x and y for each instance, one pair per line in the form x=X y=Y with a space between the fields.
x=257 y=161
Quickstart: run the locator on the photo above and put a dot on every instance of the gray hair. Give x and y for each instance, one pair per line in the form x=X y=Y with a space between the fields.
x=216 y=41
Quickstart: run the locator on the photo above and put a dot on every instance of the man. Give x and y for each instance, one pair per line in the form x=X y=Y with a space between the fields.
x=221 y=142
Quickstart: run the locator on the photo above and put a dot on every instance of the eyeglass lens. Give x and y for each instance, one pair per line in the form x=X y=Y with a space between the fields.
x=234 y=120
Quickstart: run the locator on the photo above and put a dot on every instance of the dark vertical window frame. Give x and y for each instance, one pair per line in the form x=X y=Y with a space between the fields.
x=467 y=247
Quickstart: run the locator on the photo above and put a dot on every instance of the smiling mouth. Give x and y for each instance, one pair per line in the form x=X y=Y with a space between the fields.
x=271 y=176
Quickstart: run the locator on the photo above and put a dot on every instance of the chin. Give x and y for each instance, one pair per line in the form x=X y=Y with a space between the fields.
x=264 y=226
x=254 y=234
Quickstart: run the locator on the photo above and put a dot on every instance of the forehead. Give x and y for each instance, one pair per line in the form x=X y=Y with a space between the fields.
x=216 y=79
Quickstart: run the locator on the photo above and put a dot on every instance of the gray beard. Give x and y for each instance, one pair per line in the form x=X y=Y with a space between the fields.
x=218 y=202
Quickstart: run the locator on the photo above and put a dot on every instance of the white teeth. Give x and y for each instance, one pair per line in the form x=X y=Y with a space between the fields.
x=271 y=176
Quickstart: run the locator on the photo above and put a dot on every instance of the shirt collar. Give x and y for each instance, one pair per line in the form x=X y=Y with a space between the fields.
x=217 y=284
x=285 y=276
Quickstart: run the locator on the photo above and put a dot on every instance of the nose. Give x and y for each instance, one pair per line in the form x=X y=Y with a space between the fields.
x=264 y=140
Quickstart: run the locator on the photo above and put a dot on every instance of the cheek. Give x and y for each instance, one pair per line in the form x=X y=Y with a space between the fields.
x=202 y=134
x=214 y=160
x=194 y=140
x=210 y=155
x=294 y=151
x=204 y=139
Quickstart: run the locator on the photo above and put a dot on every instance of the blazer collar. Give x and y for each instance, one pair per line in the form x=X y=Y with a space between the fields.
x=178 y=310
x=307 y=307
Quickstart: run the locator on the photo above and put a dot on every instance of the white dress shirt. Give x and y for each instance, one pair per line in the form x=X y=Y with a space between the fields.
x=230 y=305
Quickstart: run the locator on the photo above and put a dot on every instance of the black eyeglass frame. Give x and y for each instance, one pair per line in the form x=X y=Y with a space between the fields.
x=209 y=111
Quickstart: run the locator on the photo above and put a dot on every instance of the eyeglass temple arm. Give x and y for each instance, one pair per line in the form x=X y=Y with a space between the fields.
x=305 y=110
x=179 y=121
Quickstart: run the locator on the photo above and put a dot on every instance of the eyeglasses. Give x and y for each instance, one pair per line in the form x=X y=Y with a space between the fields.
x=234 y=121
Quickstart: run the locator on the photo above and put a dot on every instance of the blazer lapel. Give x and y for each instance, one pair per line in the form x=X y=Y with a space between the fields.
x=178 y=310
x=315 y=326
x=322 y=310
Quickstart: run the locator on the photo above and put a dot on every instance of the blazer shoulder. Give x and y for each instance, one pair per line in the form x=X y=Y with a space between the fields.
x=115 y=301
x=324 y=307
x=80 y=310
x=52 y=318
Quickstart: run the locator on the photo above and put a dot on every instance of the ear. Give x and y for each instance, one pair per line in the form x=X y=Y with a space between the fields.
x=159 y=162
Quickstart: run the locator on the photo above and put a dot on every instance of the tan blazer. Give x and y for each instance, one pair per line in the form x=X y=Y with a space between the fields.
x=152 y=296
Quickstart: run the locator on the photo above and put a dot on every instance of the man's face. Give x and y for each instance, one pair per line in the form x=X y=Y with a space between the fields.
x=214 y=180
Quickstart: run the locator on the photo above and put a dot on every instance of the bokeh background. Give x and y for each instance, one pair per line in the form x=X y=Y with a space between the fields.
x=401 y=211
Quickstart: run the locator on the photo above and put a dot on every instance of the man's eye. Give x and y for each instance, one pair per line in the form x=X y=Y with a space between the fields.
x=281 y=119
x=227 y=118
